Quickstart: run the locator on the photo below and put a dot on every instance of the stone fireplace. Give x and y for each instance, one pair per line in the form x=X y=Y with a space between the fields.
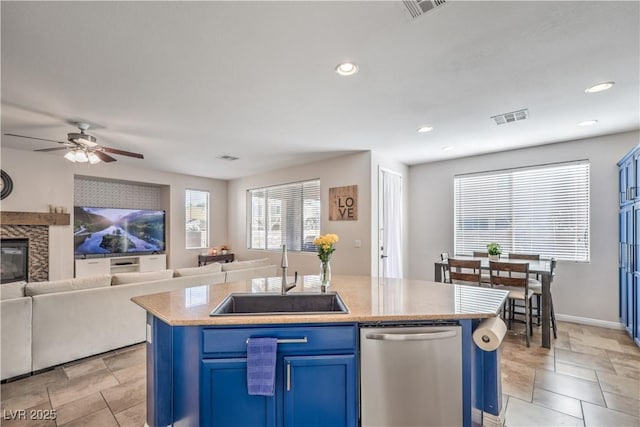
x=37 y=239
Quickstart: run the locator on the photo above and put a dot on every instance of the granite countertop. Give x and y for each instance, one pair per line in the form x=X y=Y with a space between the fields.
x=369 y=299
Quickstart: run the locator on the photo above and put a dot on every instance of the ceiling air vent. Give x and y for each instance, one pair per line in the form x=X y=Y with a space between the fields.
x=511 y=117
x=416 y=8
x=229 y=158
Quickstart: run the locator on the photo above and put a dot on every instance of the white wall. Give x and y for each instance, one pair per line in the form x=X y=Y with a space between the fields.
x=353 y=169
x=42 y=179
x=588 y=290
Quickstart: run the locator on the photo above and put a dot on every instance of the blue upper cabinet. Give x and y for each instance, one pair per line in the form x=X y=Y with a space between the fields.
x=627 y=180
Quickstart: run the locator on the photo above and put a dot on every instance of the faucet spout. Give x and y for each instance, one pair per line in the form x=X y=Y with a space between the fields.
x=284 y=264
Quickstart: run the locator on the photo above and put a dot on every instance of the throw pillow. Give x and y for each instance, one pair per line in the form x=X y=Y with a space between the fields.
x=214 y=267
x=126 y=278
x=241 y=265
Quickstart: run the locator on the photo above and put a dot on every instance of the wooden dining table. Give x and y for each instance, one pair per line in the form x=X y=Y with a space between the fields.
x=542 y=268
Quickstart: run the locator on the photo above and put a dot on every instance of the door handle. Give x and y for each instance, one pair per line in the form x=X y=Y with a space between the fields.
x=427 y=336
x=288 y=376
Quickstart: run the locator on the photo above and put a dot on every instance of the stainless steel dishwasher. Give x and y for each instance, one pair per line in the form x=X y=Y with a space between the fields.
x=411 y=376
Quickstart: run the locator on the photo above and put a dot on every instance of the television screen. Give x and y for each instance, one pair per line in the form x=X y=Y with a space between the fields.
x=111 y=230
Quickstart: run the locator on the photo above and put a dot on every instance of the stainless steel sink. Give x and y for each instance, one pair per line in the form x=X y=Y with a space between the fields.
x=270 y=304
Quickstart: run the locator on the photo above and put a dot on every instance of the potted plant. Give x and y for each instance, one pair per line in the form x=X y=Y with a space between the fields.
x=224 y=249
x=494 y=251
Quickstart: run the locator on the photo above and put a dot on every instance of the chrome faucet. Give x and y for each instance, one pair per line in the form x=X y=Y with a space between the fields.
x=284 y=264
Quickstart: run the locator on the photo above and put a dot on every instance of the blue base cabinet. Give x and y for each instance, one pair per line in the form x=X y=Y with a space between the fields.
x=316 y=377
x=320 y=391
x=225 y=400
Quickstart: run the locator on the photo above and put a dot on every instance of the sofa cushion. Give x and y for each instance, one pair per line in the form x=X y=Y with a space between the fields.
x=125 y=278
x=12 y=290
x=241 y=265
x=66 y=285
x=251 y=273
x=214 y=267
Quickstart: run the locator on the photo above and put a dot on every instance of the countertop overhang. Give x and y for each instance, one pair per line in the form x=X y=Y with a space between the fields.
x=369 y=299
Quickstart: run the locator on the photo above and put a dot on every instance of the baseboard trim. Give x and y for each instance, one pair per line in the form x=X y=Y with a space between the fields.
x=490 y=420
x=589 y=321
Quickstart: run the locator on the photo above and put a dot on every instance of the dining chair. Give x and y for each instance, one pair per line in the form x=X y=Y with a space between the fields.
x=534 y=282
x=464 y=271
x=503 y=275
x=485 y=276
x=444 y=256
x=554 y=326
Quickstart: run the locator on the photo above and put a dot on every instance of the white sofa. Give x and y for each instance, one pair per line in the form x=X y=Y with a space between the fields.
x=15 y=332
x=65 y=320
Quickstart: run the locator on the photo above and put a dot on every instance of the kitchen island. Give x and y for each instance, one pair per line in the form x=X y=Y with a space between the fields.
x=196 y=363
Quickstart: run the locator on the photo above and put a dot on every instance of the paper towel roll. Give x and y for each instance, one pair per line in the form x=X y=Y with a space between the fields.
x=489 y=334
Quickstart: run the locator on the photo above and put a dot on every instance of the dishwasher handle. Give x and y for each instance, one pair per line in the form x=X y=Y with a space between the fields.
x=423 y=336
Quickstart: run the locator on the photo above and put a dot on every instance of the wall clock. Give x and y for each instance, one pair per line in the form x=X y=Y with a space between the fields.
x=6 y=184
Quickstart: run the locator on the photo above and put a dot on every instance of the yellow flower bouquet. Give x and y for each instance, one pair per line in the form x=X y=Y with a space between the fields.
x=326 y=246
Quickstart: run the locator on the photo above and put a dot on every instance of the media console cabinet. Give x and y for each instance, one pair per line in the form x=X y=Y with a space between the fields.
x=120 y=264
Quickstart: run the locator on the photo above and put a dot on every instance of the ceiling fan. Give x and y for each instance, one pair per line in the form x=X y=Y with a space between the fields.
x=83 y=147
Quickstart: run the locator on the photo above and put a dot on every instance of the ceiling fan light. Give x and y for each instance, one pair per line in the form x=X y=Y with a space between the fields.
x=71 y=156
x=81 y=156
x=93 y=158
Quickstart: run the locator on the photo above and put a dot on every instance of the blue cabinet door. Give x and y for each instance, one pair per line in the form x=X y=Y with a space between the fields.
x=225 y=401
x=622 y=184
x=634 y=311
x=320 y=391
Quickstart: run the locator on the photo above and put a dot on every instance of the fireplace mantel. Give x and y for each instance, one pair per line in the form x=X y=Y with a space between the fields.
x=34 y=218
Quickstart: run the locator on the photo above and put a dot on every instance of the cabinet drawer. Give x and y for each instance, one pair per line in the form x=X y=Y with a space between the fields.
x=153 y=263
x=303 y=339
x=92 y=267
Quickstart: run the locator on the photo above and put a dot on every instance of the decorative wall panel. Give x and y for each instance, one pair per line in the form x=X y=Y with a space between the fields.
x=115 y=194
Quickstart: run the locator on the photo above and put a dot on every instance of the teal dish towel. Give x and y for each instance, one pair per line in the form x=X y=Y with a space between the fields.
x=261 y=366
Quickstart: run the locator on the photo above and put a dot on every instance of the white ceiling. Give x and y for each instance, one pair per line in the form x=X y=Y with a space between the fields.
x=186 y=82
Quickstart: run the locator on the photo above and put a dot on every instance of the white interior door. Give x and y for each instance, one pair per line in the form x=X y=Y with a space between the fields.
x=390 y=223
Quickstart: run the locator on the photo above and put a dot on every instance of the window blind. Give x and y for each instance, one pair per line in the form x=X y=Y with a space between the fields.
x=196 y=219
x=539 y=210
x=284 y=214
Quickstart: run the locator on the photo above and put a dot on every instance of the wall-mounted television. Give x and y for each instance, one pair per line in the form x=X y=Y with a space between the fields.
x=116 y=231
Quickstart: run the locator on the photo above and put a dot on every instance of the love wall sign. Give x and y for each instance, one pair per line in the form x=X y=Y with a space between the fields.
x=343 y=203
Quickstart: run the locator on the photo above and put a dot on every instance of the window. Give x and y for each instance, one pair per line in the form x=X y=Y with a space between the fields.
x=541 y=209
x=284 y=214
x=197 y=219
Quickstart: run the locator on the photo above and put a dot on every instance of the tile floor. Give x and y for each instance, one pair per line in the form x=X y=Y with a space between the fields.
x=591 y=377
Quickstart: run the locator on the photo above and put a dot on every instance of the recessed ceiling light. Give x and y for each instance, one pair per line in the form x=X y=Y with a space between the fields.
x=588 y=123
x=448 y=148
x=600 y=87
x=425 y=129
x=346 y=69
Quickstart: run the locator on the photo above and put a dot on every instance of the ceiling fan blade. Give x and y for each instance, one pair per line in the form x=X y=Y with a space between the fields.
x=122 y=152
x=104 y=157
x=44 y=150
x=32 y=137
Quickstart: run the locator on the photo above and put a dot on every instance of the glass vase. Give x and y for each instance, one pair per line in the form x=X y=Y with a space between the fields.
x=325 y=273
